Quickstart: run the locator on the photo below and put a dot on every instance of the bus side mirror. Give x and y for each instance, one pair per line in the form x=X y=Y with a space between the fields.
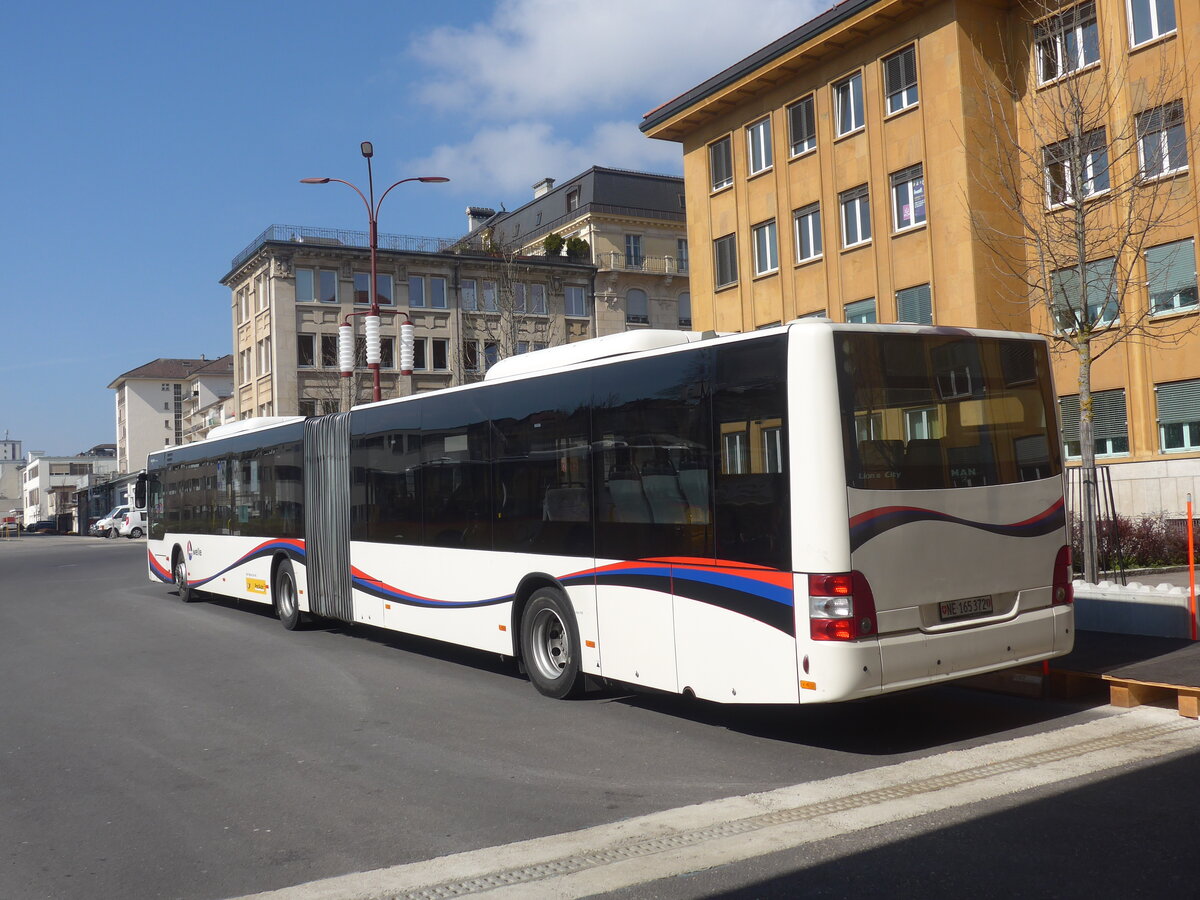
x=139 y=492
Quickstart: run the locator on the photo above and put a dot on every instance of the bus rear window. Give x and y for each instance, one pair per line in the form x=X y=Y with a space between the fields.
x=926 y=412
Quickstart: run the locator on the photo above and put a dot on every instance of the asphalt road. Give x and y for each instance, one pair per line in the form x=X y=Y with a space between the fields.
x=150 y=748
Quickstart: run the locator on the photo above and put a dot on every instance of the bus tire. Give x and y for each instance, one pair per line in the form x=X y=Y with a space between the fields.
x=550 y=645
x=187 y=593
x=285 y=597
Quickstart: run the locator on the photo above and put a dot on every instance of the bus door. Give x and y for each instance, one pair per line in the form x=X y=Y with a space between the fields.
x=327 y=515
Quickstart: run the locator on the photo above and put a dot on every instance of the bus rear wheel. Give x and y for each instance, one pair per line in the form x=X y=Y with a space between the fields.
x=550 y=645
x=285 y=596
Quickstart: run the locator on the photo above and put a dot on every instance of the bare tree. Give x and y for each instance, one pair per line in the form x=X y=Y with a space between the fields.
x=512 y=309
x=1082 y=158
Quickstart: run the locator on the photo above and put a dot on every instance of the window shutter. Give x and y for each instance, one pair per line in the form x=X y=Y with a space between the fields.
x=900 y=71
x=1108 y=414
x=1171 y=268
x=1069 y=413
x=1178 y=401
x=914 y=304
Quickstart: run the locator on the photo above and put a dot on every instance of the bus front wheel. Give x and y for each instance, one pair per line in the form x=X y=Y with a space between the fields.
x=187 y=593
x=550 y=645
x=287 y=600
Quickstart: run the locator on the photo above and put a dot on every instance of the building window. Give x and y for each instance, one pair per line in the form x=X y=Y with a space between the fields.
x=362 y=288
x=908 y=198
x=802 y=125
x=720 y=163
x=489 y=296
x=900 y=79
x=725 y=260
x=537 y=299
x=419 y=358
x=1067 y=42
x=766 y=248
x=264 y=357
x=681 y=255
x=1076 y=172
x=758 y=146
x=329 y=351
x=307 y=408
x=685 y=310
x=437 y=292
x=1110 y=430
x=576 y=300
x=637 y=309
x=305 y=289
x=518 y=294
x=261 y=292
x=915 y=304
x=387 y=352
x=1171 y=276
x=470 y=352
x=1162 y=143
x=1150 y=19
x=327 y=281
x=848 y=104
x=856 y=216
x=469 y=299
x=306 y=350
x=1070 y=310
x=441 y=352
x=633 y=251
x=573 y=200
x=861 y=312
x=416 y=291
x=1178 y=415
x=243 y=303
x=491 y=353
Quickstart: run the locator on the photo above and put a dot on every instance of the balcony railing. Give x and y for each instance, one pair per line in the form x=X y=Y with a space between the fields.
x=337 y=237
x=654 y=265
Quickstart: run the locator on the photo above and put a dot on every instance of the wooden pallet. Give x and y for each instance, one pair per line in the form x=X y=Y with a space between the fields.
x=1125 y=693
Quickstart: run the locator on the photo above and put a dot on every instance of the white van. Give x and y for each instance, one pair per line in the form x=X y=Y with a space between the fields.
x=132 y=524
x=107 y=526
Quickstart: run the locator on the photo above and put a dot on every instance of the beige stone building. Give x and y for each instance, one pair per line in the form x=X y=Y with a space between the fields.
x=293 y=286
x=635 y=227
x=843 y=170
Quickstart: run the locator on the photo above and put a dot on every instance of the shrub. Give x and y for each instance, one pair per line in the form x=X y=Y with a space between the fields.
x=553 y=244
x=578 y=248
x=1139 y=542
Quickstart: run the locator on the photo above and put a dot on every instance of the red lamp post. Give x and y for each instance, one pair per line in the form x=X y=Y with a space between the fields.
x=372 y=328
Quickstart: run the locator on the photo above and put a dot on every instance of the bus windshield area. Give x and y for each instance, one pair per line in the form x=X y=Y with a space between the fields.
x=927 y=412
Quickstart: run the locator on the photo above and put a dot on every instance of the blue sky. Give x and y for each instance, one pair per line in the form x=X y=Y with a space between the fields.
x=145 y=144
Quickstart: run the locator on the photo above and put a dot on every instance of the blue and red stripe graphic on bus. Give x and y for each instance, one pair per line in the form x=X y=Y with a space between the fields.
x=760 y=593
x=293 y=548
x=875 y=522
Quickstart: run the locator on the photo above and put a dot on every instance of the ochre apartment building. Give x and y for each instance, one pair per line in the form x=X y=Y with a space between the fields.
x=850 y=169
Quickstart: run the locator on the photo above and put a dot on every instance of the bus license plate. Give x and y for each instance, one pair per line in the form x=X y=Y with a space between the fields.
x=965 y=608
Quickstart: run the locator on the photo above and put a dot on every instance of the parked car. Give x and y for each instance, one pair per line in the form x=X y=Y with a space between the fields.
x=9 y=525
x=132 y=524
x=45 y=526
x=107 y=525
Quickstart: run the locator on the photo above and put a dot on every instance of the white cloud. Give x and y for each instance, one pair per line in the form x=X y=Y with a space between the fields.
x=502 y=161
x=542 y=57
x=552 y=88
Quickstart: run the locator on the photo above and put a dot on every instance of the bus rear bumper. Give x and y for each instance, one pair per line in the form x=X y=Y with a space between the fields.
x=896 y=662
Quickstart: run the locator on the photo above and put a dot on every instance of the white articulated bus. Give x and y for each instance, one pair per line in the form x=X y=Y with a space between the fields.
x=810 y=513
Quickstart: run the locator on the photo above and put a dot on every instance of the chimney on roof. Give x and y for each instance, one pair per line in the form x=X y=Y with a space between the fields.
x=543 y=187
x=477 y=215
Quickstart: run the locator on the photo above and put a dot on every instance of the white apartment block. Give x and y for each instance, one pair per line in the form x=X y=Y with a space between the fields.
x=152 y=400
x=49 y=483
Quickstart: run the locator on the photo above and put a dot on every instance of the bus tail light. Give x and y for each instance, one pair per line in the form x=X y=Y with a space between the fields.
x=840 y=607
x=1063 y=591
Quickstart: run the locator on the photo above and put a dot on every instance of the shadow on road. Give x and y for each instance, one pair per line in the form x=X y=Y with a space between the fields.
x=894 y=724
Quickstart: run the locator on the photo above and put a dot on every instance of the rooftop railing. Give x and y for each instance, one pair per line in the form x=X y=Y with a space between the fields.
x=337 y=237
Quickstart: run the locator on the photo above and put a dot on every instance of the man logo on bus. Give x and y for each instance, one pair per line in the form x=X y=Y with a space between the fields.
x=189 y=551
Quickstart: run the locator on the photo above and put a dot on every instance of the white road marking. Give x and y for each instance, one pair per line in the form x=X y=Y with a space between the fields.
x=691 y=838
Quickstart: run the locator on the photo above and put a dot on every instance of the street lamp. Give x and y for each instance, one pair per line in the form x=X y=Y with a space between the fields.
x=372 y=327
